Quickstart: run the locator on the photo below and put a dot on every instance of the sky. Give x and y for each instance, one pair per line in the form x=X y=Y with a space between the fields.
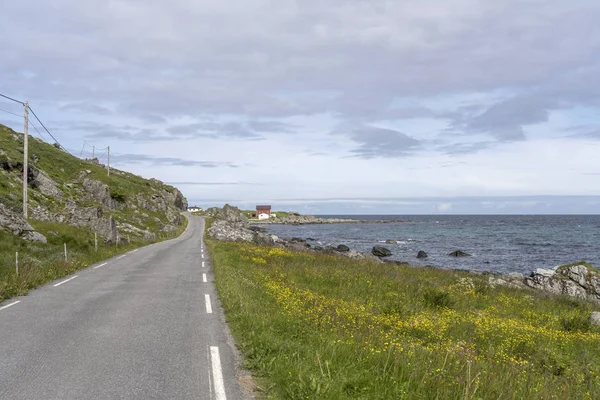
x=337 y=107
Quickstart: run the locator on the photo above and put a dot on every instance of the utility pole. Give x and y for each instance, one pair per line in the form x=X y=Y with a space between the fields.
x=108 y=162
x=93 y=151
x=25 y=158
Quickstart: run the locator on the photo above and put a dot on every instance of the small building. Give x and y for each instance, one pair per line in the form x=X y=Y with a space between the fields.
x=262 y=210
x=194 y=209
x=263 y=216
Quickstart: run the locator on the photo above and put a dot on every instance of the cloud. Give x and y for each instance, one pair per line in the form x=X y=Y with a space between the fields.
x=210 y=183
x=87 y=108
x=126 y=159
x=214 y=130
x=379 y=142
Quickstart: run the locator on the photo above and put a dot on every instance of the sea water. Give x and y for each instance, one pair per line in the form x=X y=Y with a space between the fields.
x=500 y=243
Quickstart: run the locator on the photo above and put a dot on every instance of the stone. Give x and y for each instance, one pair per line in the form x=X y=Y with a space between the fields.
x=381 y=251
x=576 y=273
x=97 y=191
x=46 y=185
x=459 y=253
x=390 y=241
x=422 y=254
x=342 y=248
x=545 y=272
x=595 y=318
x=226 y=231
x=15 y=223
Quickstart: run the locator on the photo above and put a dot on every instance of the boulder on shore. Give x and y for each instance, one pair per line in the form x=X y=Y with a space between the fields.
x=342 y=248
x=459 y=253
x=390 y=241
x=422 y=254
x=381 y=251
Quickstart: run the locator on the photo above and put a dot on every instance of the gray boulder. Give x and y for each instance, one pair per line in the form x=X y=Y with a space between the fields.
x=390 y=241
x=422 y=254
x=225 y=231
x=595 y=318
x=381 y=251
x=14 y=223
x=459 y=253
x=575 y=281
x=46 y=185
x=342 y=248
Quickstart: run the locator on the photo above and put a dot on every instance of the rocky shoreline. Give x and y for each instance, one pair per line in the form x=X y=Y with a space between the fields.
x=578 y=280
x=294 y=219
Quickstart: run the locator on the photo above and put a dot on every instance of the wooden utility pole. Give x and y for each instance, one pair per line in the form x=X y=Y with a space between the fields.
x=93 y=151
x=25 y=158
x=108 y=162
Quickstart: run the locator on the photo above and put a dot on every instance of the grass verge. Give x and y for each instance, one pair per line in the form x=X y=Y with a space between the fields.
x=314 y=326
x=43 y=262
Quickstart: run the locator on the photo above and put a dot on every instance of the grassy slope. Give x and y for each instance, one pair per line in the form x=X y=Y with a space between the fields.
x=64 y=169
x=43 y=262
x=40 y=263
x=320 y=326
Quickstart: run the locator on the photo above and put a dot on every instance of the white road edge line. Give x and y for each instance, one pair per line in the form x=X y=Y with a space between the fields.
x=208 y=305
x=10 y=305
x=135 y=251
x=66 y=280
x=217 y=373
x=202 y=264
x=101 y=265
x=124 y=255
x=202 y=255
x=204 y=278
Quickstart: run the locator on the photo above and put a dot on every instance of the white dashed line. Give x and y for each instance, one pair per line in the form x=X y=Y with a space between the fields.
x=217 y=373
x=202 y=255
x=202 y=264
x=204 y=278
x=208 y=305
x=9 y=305
x=124 y=255
x=135 y=251
x=66 y=280
x=101 y=265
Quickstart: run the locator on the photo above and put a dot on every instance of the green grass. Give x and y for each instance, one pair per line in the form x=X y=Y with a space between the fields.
x=43 y=262
x=315 y=326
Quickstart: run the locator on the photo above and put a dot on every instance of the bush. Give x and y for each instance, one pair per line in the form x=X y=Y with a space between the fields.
x=117 y=195
x=577 y=323
x=437 y=298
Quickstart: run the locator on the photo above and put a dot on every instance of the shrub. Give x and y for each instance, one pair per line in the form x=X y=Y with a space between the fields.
x=437 y=298
x=577 y=323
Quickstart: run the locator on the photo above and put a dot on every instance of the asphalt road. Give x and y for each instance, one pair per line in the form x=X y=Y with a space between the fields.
x=146 y=325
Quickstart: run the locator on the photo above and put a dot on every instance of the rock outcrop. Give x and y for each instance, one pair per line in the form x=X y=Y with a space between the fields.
x=422 y=254
x=579 y=281
x=14 y=223
x=68 y=190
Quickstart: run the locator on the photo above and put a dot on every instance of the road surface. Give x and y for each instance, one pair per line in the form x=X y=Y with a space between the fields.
x=146 y=325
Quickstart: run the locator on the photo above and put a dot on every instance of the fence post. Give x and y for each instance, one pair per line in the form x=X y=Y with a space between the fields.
x=96 y=241
x=17 y=263
x=65 y=252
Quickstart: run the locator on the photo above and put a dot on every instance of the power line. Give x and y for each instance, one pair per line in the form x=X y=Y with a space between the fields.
x=39 y=133
x=47 y=131
x=10 y=98
x=11 y=113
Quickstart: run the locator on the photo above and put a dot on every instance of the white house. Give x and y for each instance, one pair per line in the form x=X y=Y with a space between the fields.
x=263 y=216
x=194 y=209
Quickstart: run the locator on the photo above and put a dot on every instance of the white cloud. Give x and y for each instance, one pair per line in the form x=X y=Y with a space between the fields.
x=436 y=98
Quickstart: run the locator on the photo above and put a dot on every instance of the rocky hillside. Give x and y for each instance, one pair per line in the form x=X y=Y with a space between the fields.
x=65 y=189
